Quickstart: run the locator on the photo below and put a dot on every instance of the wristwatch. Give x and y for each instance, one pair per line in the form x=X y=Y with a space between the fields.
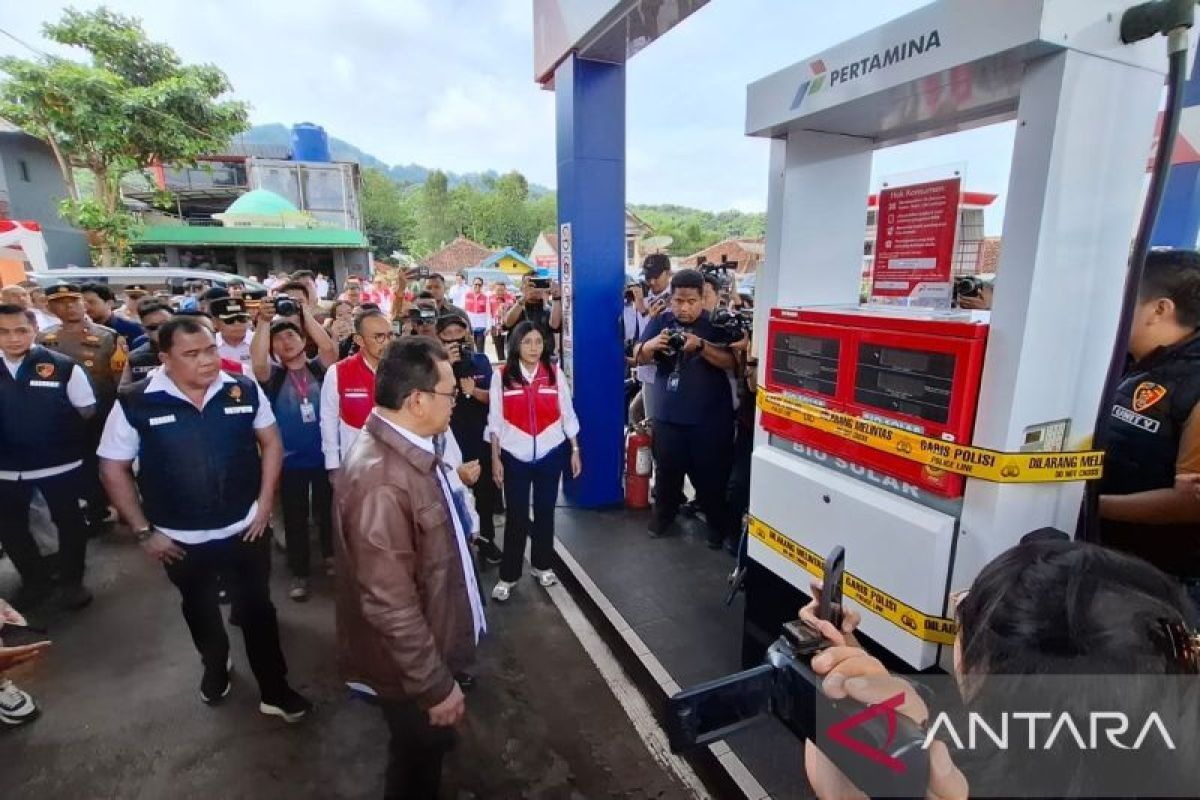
x=145 y=533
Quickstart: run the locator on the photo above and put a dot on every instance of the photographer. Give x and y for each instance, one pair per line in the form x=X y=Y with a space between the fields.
x=1041 y=613
x=541 y=305
x=292 y=384
x=435 y=285
x=422 y=317
x=693 y=424
x=656 y=274
x=473 y=372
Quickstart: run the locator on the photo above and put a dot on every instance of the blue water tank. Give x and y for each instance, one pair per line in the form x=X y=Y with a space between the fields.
x=310 y=143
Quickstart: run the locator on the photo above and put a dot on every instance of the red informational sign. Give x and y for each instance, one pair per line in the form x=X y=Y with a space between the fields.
x=914 y=243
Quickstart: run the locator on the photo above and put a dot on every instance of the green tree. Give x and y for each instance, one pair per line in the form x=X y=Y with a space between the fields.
x=437 y=224
x=390 y=223
x=132 y=104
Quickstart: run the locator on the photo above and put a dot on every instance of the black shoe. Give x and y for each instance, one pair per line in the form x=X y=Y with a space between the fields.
x=488 y=551
x=223 y=597
x=31 y=596
x=215 y=684
x=689 y=509
x=466 y=681
x=72 y=597
x=658 y=530
x=290 y=706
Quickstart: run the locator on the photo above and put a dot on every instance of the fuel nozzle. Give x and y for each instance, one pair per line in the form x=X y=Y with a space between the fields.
x=1161 y=16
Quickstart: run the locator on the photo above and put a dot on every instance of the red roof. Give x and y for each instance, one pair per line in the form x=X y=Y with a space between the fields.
x=460 y=254
x=968 y=199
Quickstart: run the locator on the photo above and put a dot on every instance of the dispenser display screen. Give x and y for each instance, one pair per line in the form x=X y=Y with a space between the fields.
x=905 y=381
x=805 y=362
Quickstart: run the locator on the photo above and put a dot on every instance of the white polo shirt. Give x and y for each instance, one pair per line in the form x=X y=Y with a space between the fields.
x=121 y=442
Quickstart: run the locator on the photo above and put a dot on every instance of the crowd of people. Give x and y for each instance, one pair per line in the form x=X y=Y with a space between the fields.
x=377 y=416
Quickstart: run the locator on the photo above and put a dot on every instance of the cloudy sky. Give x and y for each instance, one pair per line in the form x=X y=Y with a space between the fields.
x=448 y=83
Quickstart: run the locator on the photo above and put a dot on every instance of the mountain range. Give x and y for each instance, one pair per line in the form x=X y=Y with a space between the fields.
x=277 y=134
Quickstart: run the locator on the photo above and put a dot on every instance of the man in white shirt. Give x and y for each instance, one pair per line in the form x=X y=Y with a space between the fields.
x=458 y=293
x=209 y=456
x=232 y=320
x=322 y=284
x=44 y=399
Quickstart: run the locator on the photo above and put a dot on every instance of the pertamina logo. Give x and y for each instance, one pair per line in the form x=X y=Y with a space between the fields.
x=824 y=78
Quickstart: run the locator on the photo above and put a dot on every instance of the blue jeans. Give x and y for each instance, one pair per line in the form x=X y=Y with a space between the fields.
x=542 y=478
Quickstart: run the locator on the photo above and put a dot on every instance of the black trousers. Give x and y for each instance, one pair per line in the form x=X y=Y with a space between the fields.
x=415 y=752
x=521 y=478
x=296 y=488
x=480 y=337
x=704 y=454
x=62 y=494
x=738 y=496
x=245 y=571
x=498 y=341
x=487 y=497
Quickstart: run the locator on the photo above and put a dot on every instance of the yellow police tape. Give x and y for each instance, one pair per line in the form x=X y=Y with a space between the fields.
x=927 y=627
x=974 y=462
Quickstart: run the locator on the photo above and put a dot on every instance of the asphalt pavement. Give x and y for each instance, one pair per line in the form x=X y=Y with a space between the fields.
x=122 y=718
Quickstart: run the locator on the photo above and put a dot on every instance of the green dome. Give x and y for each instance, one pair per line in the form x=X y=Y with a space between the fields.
x=261 y=203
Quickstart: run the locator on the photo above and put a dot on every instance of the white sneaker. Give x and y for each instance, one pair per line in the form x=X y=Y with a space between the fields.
x=545 y=577
x=299 y=590
x=502 y=591
x=16 y=706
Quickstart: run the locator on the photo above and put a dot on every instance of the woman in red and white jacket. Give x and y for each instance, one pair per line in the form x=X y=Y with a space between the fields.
x=533 y=430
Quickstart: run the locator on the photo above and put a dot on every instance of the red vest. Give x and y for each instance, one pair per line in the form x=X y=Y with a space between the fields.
x=534 y=407
x=356 y=390
x=475 y=303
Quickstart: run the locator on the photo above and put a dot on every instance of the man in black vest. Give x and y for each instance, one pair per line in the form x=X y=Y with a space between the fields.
x=1156 y=425
x=153 y=314
x=44 y=399
x=206 y=493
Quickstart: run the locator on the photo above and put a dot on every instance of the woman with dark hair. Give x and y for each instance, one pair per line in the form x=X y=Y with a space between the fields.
x=531 y=421
x=1054 y=628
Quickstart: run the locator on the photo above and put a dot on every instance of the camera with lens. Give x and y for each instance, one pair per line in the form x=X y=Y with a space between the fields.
x=629 y=297
x=723 y=272
x=736 y=323
x=786 y=687
x=287 y=307
x=969 y=286
x=463 y=368
x=422 y=315
x=676 y=339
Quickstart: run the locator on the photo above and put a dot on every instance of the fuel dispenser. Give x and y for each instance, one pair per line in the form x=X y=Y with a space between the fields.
x=927 y=441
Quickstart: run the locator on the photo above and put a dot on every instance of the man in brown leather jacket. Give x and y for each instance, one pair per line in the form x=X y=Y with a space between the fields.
x=408 y=607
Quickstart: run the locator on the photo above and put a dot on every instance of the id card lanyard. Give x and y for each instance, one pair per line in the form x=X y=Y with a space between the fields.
x=308 y=412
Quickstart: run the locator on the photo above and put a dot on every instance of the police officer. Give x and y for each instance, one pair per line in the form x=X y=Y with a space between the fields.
x=97 y=349
x=1155 y=426
x=693 y=422
x=44 y=399
x=153 y=315
x=203 y=500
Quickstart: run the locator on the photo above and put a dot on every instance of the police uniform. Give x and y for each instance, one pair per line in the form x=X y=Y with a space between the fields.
x=1155 y=434
x=199 y=479
x=42 y=446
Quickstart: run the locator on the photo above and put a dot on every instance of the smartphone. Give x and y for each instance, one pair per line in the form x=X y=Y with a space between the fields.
x=830 y=607
x=21 y=635
x=540 y=283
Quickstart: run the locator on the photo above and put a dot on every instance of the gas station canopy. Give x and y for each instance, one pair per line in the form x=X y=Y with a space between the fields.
x=610 y=31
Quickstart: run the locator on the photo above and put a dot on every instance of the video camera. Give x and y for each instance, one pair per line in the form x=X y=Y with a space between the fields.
x=645 y=287
x=421 y=316
x=724 y=272
x=969 y=286
x=787 y=688
x=737 y=323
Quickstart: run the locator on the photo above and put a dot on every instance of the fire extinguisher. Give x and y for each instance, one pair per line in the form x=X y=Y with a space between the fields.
x=639 y=463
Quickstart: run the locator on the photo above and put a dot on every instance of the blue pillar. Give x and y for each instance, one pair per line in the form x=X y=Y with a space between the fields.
x=1178 y=223
x=590 y=111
